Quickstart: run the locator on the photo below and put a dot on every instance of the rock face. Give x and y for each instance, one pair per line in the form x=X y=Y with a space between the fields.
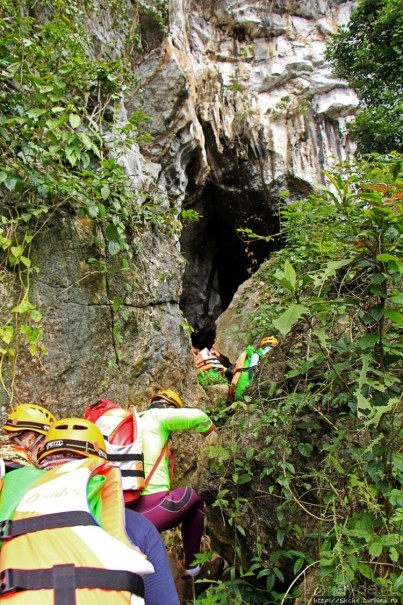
x=243 y=105
x=247 y=107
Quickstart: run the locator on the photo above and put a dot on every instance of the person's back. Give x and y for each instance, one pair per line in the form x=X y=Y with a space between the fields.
x=57 y=543
x=71 y=449
x=157 y=426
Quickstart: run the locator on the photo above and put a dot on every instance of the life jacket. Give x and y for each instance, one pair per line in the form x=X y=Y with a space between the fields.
x=124 y=442
x=124 y=445
x=241 y=376
x=205 y=360
x=55 y=552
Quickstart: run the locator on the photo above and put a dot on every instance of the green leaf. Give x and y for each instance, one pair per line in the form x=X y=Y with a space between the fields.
x=368 y=341
x=244 y=478
x=289 y=274
x=26 y=261
x=329 y=271
x=337 y=465
x=280 y=536
x=117 y=303
x=305 y=449
x=112 y=233
x=375 y=549
x=36 y=112
x=362 y=404
x=384 y=258
x=74 y=120
x=17 y=251
x=249 y=453
x=86 y=140
x=113 y=248
x=7 y=334
x=105 y=192
x=394 y=316
x=24 y=307
x=365 y=570
x=35 y=315
x=285 y=322
x=241 y=530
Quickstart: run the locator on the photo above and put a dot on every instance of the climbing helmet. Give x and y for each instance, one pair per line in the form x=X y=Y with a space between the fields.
x=75 y=435
x=269 y=341
x=169 y=396
x=29 y=417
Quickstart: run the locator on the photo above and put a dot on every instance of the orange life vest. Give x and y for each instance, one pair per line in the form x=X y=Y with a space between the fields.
x=205 y=360
x=54 y=551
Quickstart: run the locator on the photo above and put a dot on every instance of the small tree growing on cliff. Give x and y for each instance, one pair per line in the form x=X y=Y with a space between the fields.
x=368 y=54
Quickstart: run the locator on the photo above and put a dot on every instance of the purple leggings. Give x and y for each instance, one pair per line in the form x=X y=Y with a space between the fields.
x=167 y=509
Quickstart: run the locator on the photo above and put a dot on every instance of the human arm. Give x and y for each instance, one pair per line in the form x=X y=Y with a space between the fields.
x=159 y=587
x=184 y=419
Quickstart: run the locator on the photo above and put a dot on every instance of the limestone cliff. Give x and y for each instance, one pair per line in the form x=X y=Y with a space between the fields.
x=242 y=106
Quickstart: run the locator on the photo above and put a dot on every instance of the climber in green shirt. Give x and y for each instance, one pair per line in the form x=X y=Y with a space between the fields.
x=168 y=508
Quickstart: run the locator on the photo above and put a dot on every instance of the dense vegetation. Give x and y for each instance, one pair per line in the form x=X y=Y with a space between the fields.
x=338 y=312
x=368 y=54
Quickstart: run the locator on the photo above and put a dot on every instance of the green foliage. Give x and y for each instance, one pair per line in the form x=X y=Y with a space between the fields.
x=368 y=54
x=207 y=378
x=57 y=145
x=331 y=430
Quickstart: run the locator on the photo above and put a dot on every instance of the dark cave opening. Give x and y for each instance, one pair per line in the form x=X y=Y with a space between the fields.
x=220 y=257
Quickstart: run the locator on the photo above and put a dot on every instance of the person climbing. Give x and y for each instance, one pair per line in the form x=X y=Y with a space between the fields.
x=167 y=507
x=75 y=487
x=245 y=366
x=210 y=369
x=26 y=427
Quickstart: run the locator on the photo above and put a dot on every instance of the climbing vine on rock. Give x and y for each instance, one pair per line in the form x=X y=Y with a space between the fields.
x=58 y=136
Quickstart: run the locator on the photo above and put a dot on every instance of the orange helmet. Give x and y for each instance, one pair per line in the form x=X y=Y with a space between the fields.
x=169 y=396
x=29 y=417
x=269 y=341
x=74 y=435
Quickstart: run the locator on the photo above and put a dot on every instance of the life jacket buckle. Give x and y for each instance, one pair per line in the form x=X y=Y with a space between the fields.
x=5 y=529
x=6 y=584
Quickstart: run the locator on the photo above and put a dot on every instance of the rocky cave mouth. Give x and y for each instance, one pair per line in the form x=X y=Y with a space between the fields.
x=220 y=257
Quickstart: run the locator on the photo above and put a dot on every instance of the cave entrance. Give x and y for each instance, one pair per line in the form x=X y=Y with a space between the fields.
x=220 y=257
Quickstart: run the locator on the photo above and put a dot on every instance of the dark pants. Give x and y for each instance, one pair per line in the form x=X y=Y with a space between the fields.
x=168 y=509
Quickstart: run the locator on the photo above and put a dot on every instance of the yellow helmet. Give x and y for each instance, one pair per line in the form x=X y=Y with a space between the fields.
x=29 y=417
x=170 y=396
x=269 y=341
x=74 y=435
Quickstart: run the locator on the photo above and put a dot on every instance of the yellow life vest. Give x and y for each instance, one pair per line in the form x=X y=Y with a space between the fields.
x=55 y=552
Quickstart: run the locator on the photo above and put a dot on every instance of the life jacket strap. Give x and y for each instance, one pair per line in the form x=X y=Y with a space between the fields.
x=65 y=579
x=11 y=529
x=123 y=457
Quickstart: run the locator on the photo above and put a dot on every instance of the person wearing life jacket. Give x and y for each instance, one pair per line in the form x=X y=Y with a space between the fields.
x=62 y=530
x=210 y=370
x=167 y=507
x=121 y=429
x=246 y=365
x=25 y=427
x=76 y=477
